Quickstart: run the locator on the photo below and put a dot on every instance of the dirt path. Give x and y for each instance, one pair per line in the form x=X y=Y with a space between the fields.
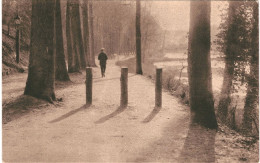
x=103 y=132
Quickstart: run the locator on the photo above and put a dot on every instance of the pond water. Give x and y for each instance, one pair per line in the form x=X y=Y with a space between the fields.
x=181 y=60
x=217 y=65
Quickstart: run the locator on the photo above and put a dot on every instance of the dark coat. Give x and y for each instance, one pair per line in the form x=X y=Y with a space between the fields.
x=102 y=57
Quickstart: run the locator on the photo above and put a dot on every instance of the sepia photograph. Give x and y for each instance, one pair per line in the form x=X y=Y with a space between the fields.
x=130 y=81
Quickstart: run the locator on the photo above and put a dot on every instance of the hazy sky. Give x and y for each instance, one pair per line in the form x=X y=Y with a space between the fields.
x=174 y=15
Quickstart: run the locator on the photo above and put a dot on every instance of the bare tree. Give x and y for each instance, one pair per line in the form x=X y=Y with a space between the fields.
x=199 y=65
x=41 y=77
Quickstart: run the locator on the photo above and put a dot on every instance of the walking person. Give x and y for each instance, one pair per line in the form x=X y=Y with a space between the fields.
x=102 y=57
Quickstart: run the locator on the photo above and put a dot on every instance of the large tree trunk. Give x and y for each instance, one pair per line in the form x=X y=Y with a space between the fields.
x=199 y=65
x=73 y=52
x=252 y=88
x=138 y=38
x=68 y=37
x=71 y=64
x=61 y=72
x=77 y=35
x=86 y=32
x=92 y=54
x=230 y=52
x=41 y=77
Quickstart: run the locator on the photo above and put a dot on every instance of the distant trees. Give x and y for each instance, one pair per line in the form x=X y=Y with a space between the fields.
x=151 y=32
x=9 y=12
x=114 y=29
x=199 y=65
x=41 y=77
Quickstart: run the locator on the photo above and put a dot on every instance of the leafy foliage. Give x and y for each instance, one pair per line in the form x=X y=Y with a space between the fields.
x=235 y=31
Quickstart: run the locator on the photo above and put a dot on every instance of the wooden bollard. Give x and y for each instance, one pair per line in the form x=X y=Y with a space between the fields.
x=88 y=85
x=158 y=88
x=124 y=87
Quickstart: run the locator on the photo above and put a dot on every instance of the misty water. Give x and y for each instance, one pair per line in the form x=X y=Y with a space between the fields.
x=178 y=60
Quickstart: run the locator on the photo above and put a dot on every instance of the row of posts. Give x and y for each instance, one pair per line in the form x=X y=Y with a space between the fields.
x=124 y=87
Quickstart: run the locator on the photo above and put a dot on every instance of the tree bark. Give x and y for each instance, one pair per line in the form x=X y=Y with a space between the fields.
x=92 y=54
x=230 y=52
x=86 y=32
x=73 y=52
x=138 y=38
x=199 y=65
x=77 y=35
x=61 y=72
x=69 y=38
x=252 y=88
x=41 y=77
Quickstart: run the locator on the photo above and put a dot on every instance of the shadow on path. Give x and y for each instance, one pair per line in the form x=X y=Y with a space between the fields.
x=155 y=111
x=168 y=147
x=113 y=114
x=106 y=79
x=69 y=114
x=20 y=106
x=199 y=145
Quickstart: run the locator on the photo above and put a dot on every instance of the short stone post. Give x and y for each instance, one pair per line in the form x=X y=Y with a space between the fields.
x=88 y=85
x=124 y=87
x=158 y=88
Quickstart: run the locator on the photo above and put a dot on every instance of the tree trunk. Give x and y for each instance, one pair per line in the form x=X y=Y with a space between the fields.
x=69 y=37
x=252 y=88
x=230 y=52
x=199 y=64
x=61 y=72
x=86 y=32
x=41 y=77
x=73 y=53
x=92 y=54
x=138 y=38
x=77 y=35
x=225 y=98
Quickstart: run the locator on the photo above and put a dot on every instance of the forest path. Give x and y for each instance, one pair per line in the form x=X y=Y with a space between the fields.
x=70 y=132
x=102 y=132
